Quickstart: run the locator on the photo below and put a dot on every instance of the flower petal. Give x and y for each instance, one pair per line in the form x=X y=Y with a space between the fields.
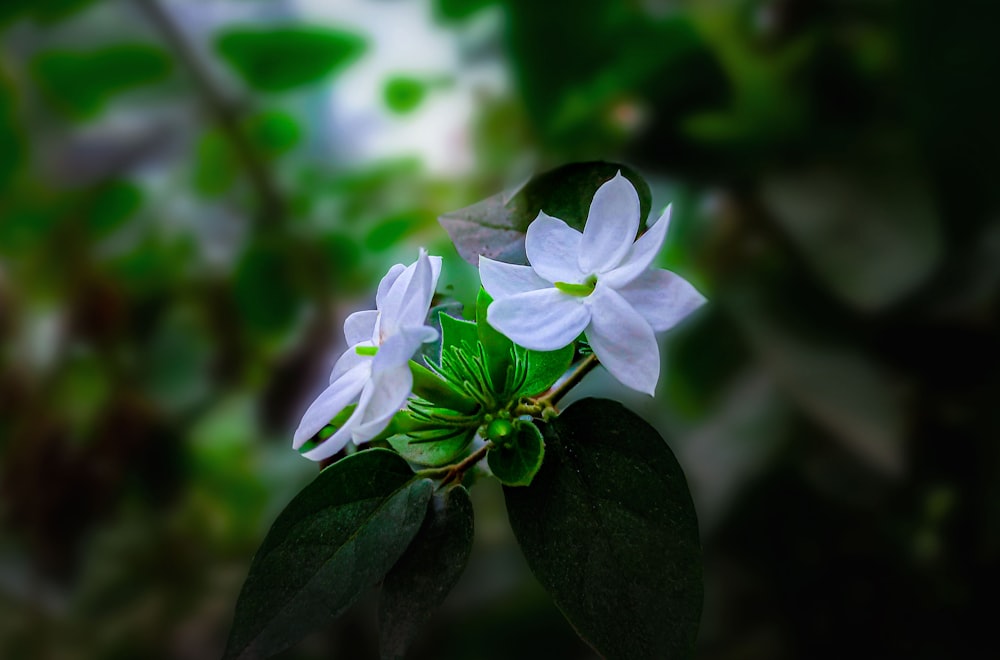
x=623 y=341
x=337 y=396
x=387 y=281
x=502 y=280
x=397 y=350
x=553 y=249
x=542 y=320
x=409 y=298
x=387 y=395
x=360 y=326
x=641 y=255
x=612 y=223
x=350 y=359
x=663 y=298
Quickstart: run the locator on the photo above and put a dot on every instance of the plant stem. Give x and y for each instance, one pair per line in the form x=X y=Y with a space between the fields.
x=225 y=114
x=556 y=394
x=452 y=472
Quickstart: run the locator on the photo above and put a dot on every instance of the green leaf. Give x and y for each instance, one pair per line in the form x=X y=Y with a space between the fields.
x=404 y=94
x=80 y=83
x=545 y=368
x=266 y=294
x=274 y=132
x=609 y=529
x=338 y=537
x=517 y=457
x=215 y=166
x=112 y=205
x=496 y=226
x=427 y=571
x=277 y=60
x=435 y=448
x=458 y=332
x=499 y=349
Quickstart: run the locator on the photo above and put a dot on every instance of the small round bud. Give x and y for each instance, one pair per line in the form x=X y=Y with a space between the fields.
x=499 y=431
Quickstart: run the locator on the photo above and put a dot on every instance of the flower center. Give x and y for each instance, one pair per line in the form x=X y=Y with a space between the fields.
x=579 y=290
x=366 y=350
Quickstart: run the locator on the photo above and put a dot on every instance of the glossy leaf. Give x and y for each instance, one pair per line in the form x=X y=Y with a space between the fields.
x=337 y=538
x=426 y=572
x=429 y=386
x=496 y=227
x=609 y=529
x=545 y=368
x=458 y=332
x=277 y=60
x=499 y=349
x=516 y=458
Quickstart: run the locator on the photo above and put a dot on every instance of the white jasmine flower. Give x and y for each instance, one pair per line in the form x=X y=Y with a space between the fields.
x=374 y=371
x=598 y=282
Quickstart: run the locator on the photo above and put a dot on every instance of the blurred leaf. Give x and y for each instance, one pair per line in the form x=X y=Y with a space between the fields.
x=215 y=167
x=45 y=11
x=113 y=204
x=80 y=83
x=274 y=132
x=427 y=571
x=609 y=529
x=403 y=94
x=516 y=458
x=12 y=145
x=496 y=227
x=867 y=227
x=264 y=288
x=390 y=231
x=459 y=9
x=277 y=60
x=337 y=538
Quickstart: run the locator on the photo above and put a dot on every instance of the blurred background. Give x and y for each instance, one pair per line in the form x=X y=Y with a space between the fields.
x=193 y=194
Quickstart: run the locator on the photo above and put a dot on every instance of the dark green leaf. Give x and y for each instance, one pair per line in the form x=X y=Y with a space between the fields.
x=433 y=449
x=545 y=368
x=404 y=94
x=609 y=529
x=265 y=292
x=80 y=83
x=337 y=538
x=12 y=145
x=113 y=204
x=496 y=227
x=426 y=572
x=215 y=165
x=516 y=458
x=274 y=132
x=276 y=60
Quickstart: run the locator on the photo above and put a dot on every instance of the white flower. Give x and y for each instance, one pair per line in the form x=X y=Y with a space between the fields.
x=598 y=282
x=374 y=371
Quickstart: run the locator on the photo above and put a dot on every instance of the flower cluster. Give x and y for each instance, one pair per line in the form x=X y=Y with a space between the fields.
x=599 y=283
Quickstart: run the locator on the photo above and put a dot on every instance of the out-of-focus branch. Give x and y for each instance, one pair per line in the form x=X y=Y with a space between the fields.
x=272 y=203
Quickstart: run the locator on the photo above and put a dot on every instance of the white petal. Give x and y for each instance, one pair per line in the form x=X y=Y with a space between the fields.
x=388 y=394
x=390 y=278
x=408 y=299
x=340 y=437
x=663 y=298
x=350 y=359
x=623 y=341
x=640 y=255
x=340 y=394
x=360 y=326
x=542 y=320
x=553 y=249
x=397 y=350
x=502 y=280
x=612 y=223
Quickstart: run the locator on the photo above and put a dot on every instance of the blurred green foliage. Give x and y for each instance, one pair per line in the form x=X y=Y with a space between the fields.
x=178 y=247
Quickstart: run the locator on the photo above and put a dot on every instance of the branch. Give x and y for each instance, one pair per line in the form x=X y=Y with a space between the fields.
x=272 y=204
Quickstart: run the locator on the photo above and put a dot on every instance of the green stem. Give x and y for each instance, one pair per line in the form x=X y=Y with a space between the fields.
x=556 y=394
x=451 y=473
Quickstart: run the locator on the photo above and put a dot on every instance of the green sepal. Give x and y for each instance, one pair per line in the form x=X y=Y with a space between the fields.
x=517 y=456
x=433 y=447
x=428 y=385
x=499 y=349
